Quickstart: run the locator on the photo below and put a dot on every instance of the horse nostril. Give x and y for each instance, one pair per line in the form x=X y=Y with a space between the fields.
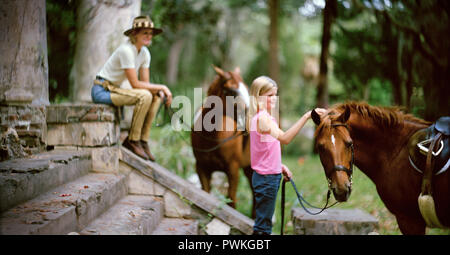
x=348 y=185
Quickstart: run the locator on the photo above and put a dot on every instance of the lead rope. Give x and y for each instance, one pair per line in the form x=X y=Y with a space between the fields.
x=170 y=113
x=302 y=200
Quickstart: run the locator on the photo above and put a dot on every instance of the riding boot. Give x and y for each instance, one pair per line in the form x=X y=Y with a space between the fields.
x=144 y=145
x=135 y=147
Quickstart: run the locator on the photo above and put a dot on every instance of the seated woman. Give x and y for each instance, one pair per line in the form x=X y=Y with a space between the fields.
x=132 y=61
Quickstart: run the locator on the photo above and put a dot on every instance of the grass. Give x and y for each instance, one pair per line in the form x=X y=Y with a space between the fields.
x=172 y=150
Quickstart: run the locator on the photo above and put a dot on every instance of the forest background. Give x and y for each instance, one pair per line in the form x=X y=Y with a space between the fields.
x=384 y=52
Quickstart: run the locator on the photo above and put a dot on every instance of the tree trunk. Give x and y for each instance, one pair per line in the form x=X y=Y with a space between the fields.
x=100 y=27
x=174 y=56
x=436 y=94
x=329 y=15
x=23 y=45
x=274 y=65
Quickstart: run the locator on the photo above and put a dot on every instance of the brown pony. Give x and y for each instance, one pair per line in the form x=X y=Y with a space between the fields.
x=376 y=138
x=224 y=148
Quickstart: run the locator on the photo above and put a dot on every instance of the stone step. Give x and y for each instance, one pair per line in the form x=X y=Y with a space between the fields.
x=82 y=112
x=88 y=134
x=177 y=226
x=67 y=208
x=333 y=222
x=133 y=215
x=26 y=178
x=181 y=190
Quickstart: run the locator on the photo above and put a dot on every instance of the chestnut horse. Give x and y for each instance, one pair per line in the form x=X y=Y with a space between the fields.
x=224 y=148
x=375 y=139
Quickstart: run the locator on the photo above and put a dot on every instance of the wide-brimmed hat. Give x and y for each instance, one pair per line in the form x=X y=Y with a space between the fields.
x=143 y=22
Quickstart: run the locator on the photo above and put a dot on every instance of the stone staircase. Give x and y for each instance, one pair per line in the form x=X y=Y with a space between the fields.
x=89 y=185
x=75 y=199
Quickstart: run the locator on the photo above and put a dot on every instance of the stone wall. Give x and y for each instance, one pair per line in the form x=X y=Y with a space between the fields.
x=86 y=127
x=23 y=78
x=29 y=124
x=95 y=128
x=181 y=198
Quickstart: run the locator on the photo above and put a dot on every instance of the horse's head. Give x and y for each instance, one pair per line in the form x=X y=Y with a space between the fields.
x=335 y=147
x=230 y=84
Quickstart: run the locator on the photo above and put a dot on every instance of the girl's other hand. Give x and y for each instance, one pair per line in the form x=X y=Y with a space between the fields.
x=286 y=172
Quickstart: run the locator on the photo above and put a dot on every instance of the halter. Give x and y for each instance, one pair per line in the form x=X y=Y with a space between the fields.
x=336 y=168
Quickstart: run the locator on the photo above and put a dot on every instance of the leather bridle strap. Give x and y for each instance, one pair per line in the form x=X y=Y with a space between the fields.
x=349 y=170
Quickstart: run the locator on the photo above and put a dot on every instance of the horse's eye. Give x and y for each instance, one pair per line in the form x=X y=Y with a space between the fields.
x=349 y=143
x=320 y=146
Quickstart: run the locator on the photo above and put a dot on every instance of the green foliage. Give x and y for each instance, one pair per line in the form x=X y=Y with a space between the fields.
x=61 y=29
x=362 y=54
x=379 y=92
x=172 y=150
x=397 y=45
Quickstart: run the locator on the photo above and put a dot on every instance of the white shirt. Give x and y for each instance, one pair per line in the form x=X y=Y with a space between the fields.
x=124 y=57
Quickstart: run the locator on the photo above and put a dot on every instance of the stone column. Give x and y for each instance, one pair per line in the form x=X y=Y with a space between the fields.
x=23 y=77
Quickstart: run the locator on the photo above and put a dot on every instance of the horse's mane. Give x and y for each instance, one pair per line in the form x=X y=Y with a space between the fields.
x=380 y=115
x=215 y=89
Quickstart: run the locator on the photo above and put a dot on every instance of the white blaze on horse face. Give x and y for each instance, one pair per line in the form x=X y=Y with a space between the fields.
x=333 y=141
x=243 y=92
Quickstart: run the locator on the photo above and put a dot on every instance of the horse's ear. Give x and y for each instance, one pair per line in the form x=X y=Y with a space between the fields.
x=219 y=71
x=345 y=116
x=315 y=117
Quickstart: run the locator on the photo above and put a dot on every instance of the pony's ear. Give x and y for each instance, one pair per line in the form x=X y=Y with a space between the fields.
x=222 y=73
x=315 y=117
x=219 y=71
x=345 y=115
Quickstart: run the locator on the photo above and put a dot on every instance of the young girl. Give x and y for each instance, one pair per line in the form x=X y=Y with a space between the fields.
x=265 y=150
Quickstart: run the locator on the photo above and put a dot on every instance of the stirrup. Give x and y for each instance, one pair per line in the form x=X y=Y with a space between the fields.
x=423 y=146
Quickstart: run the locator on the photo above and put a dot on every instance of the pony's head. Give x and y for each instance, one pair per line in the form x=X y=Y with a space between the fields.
x=229 y=84
x=335 y=147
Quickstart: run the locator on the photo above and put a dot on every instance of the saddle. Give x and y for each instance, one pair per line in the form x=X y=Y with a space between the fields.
x=419 y=143
x=429 y=154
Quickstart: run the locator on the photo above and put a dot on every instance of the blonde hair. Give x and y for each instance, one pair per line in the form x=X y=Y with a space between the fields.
x=132 y=35
x=259 y=86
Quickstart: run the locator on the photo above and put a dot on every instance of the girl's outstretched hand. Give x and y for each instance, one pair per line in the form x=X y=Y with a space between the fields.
x=320 y=111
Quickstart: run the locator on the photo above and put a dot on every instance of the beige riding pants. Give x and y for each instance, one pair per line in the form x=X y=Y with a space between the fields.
x=145 y=108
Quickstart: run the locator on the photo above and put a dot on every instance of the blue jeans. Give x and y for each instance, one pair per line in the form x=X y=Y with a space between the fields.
x=265 y=188
x=100 y=95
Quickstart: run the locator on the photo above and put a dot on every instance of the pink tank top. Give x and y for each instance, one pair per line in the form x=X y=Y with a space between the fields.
x=265 y=150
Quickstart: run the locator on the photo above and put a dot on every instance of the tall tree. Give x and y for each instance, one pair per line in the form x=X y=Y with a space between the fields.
x=425 y=22
x=100 y=27
x=274 y=64
x=329 y=16
x=400 y=45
